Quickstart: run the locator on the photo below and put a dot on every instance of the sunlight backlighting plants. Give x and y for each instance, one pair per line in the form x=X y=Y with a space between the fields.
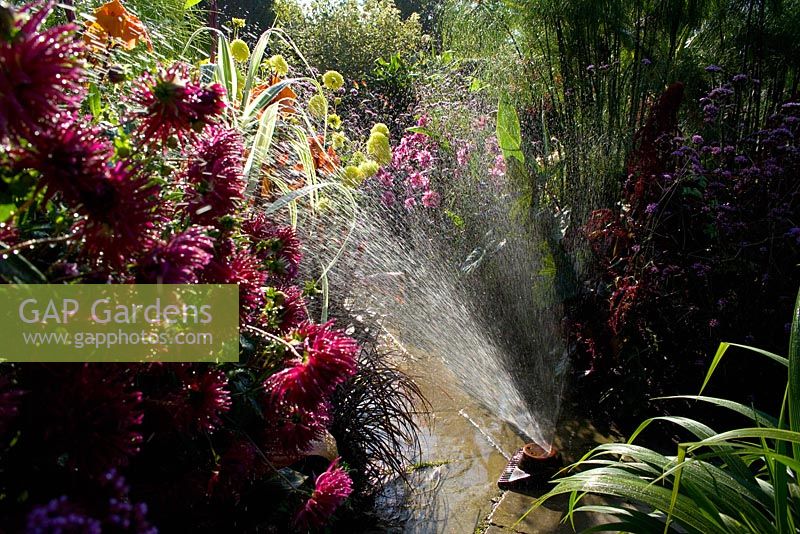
x=739 y=480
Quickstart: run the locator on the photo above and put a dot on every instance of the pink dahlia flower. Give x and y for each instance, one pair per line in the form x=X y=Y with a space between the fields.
x=175 y=103
x=293 y=312
x=121 y=215
x=214 y=175
x=417 y=180
x=202 y=399
x=276 y=246
x=40 y=71
x=243 y=269
x=331 y=489
x=178 y=261
x=70 y=158
x=325 y=358
x=290 y=430
x=431 y=199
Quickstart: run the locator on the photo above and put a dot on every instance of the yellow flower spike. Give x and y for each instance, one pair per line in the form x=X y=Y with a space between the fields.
x=334 y=121
x=237 y=23
x=369 y=168
x=352 y=176
x=332 y=80
x=279 y=65
x=338 y=140
x=240 y=51
x=380 y=128
x=318 y=106
x=378 y=147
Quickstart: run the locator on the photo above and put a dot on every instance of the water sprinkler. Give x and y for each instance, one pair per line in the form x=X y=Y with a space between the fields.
x=530 y=467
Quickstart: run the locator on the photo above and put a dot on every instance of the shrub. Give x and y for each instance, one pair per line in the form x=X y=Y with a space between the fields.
x=350 y=36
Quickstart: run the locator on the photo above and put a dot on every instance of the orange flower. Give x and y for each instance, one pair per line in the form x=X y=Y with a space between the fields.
x=285 y=96
x=325 y=161
x=113 y=22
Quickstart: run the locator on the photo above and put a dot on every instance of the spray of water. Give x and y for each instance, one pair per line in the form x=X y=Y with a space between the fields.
x=484 y=299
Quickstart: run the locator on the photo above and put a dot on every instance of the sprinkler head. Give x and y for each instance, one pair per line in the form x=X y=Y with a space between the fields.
x=530 y=467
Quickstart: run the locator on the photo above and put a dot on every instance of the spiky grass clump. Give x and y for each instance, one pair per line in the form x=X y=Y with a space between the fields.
x=374 y=421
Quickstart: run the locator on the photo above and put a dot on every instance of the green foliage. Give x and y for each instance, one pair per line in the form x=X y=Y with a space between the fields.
x=741 y=480
x=349 y=36
x=593 y=68
x=509 y=135
x=167 y=21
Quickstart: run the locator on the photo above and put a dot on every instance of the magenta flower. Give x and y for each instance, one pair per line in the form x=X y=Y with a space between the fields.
x=410 y=203
x=431 y=199
x=175 y=103
x=276 y=246
x=243 y=269
x=178 y=261
x=120 y=213
x=462 y=155
x=424 y=159
x=331 y=489
x=384 y=178
x=214 y=174
x=70 y=158
x=417 y=180
x=498 y=170
x=202 y=399
x=293 y=312
x=290 y=430
x=40 y=72
x=388 y=198
x=324 y=359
